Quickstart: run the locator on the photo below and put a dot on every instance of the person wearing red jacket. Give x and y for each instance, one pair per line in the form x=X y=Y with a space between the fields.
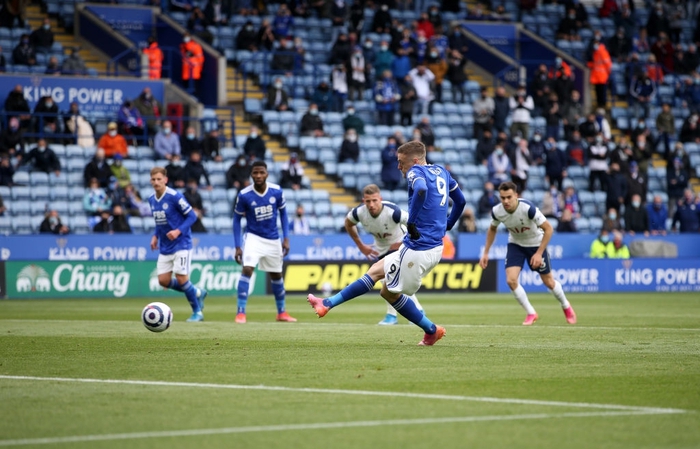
x=601 y=66
x=155 y=59
x=192 y=59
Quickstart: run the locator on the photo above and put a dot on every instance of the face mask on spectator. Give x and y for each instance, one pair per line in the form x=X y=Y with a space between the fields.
x=351 y=111
x=313 y=111
x=190 y=136
x=41 y=149
x=253 y=135
x=187 y=39
x=278 y=85
x=113 y=132
x=352 y=137
x=167 y=130
x=605 y=238
x=499 y=152
x=433 y=54
x=612 y=215
x=384 y=48
x=537 y=137
x=636 y=203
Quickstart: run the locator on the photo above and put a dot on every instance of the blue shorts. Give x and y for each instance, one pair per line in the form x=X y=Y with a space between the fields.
x=517 y=256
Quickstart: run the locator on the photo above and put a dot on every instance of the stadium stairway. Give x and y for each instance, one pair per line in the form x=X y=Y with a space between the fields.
x=35 y=18
x=280 y=153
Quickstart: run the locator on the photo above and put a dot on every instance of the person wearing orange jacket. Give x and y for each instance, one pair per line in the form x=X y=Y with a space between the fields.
x=112 y=142
x=192 y=59
x=601 y=66
x=155 y=59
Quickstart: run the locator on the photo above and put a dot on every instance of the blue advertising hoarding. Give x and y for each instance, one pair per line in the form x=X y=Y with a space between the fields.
x=91 y=94
x=499 y=36
x=134 y=23
x=614 y=275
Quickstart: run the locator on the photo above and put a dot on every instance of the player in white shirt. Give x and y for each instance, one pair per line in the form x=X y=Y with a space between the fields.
x=386 y=222
x=529 y=233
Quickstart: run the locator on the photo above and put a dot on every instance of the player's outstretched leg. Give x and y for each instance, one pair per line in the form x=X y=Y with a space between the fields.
x=407 y=308
x=357 y=288
x=558 y=293
x=193 y=294
x=278 y=290
x=243 y=286
x=521 y=297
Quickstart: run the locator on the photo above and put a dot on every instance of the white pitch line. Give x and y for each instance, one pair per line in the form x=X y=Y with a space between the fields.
x=351 y=393
x=314 y=426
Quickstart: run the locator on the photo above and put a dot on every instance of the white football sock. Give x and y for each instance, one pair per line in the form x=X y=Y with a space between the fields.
x=415 y=301
x=558 y=293
x=521 y=297
x=390 y=309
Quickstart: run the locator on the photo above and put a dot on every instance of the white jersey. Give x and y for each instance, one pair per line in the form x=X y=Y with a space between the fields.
x=387 y=228
x=523 y=225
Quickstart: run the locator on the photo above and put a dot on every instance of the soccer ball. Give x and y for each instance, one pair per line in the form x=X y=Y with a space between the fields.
x=157 y=317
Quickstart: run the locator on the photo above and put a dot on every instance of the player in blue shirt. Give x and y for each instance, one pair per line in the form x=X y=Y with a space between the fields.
x=260 y=204
x=174 y=217
x=429 y=189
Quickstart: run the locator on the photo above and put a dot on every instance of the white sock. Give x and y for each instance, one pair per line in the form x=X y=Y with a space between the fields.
x=415 y=301
x=558 y=293
x=521 y=297
x=390 y=309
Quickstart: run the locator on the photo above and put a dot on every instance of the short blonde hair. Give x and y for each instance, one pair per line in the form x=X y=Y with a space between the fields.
x=161 y=170
x=413 y=149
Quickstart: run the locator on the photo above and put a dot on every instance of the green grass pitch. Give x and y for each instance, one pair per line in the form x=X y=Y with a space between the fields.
x=87 y=374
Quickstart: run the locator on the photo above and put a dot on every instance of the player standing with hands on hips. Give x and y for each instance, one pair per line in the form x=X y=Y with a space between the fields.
x=174 y=217
x=260 y=204
x=386 y=222
x=429 y=189
x=529 y=232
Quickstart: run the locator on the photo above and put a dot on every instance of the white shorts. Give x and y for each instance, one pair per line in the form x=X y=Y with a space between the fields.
x=404 y=269
x=178 y=262
x=266 y=254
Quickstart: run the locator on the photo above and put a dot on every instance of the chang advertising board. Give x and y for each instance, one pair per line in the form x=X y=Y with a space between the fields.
x=452 y=276
x=91 y=94
x=115 y=279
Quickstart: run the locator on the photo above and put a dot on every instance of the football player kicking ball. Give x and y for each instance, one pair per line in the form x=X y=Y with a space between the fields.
x=386 y=222
x=174 y=216
x=260 y=204
x=529 y=233
x=429 y=187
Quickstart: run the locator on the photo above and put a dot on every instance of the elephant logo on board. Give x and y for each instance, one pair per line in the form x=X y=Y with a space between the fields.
x=33 y=278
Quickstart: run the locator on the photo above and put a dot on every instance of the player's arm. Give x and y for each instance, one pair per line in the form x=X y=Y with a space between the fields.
x=490 y=237
x=420 y=188
x=367 y=250
x=536 y=259
x=458 y=203
x=284 y=219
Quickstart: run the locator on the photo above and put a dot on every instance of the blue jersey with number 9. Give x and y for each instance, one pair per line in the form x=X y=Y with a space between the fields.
x=431 y=221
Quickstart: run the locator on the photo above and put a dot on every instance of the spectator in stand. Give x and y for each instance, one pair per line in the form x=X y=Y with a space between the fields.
x=552 y=115
x=599 y=246
x=435 y=17
x=484 y=147
x=653 y=70
x=130 y=121
x=489 y=198
x=657 y=214
x=338 y=91
x=52 y=67
x=358 y=73
x=501 y=109
x=687 y=214
x=352 y=121
x=23 y=53
x=618 y=249
x=690 y=131
x=121 y=173
x=680 y=64
x=52 y=224
x=643 y=91
x=300 y=225
x=571 y=200
x=112 y=142
x=552 y=202
x=627 y=21
x=456 y=75
x=283 y=22
x=167 y=143
x=77 y=126
x=537 y=149
x=598 y=164
x=73 y=64
x=611 y=221
x=657 y=23
x=247 y=38
x=194 y=198
x=311 y=123
x=666 y=129
x=521 y=165
x=641 y=153
x=112 y=223
x=484 y=107
x=692 y=58
x=217 y=12
x=540 y=87
x=636 y=183
x=42 y=158
x=384 y=59
x=12 y=139
x=357 y=16
x=663 y=50
x=622 y=154
x=210 y=147
x=499 y=166
x=391 y=176
x=189 y=143
x=569 y=27
x=97 y=168
x=589 y=128
x=340 y=52
x=424 y=133
x=42 y=38
x=566 y=222
x=555 y=163
x=620 y=45
x=425 y=25
x=175 y=172
x=601 y=67
x=292 y=173
x=195 y=169
x=437 y=65
x=617 y=188
x=636 y=217
x=3 y=62
x=408 y=101
x=679 y=153
x=266 y=37
x=323 y=97
x=136 y=207
x=192 y=56
x=150 y=110
x=423 y=79
x=155 y=59
x=254 y=146
x=7 y=171
x=277 y=97
x=46 y=116
x=283 y=56
x=181 y=5
x=339 y=13
x=576 y=151
x=17 y=106
x=386 y=95
x=522 y=105
x=350 y=148
x=238 y=174
x=677 y=179
x=96 y=199
x=381 y=23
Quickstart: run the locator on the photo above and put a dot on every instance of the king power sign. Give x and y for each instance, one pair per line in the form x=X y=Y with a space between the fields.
x=115 y=280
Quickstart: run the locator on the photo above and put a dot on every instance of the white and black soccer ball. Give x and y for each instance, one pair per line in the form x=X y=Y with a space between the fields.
x=156 y=317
